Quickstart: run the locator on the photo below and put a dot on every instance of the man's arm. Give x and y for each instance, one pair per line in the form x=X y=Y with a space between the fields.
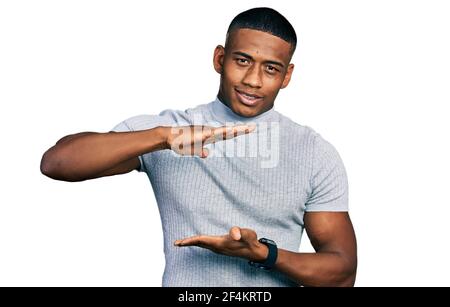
x=331 y=234
x=335 y=260
x=89 y=155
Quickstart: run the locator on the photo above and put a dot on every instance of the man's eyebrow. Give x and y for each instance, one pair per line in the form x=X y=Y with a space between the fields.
x=245 y=55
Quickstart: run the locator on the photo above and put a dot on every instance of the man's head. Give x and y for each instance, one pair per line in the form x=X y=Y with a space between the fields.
x=255 y=62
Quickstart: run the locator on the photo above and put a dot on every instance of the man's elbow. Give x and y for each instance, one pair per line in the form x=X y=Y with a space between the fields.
x=51 y=167
x=48 y=167
x=348 y=274
x=347 y=281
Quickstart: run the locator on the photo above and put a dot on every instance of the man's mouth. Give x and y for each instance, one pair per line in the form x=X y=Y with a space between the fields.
x=248 y=98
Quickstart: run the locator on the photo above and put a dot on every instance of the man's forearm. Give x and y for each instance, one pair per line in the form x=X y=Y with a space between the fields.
x=317 y=269
x=85 y=155
x=327 y=267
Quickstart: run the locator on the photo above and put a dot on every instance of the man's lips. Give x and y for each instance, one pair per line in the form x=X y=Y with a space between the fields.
x=248 y=98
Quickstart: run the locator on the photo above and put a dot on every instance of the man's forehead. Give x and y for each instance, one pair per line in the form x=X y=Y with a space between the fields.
x=259 y=44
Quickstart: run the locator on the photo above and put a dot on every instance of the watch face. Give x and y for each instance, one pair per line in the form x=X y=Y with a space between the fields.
x=267 y=241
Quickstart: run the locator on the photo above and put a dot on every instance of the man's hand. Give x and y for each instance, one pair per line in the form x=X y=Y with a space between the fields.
x=331 y=234
x=189 y=140
x=240 y=242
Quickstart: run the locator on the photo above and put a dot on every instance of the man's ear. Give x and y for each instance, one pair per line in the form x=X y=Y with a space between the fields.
x=219 y=54
x=287 y=77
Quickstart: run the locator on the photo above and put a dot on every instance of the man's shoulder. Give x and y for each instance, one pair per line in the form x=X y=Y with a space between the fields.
x=295 y=128
x=304 y=135
x=166 y=117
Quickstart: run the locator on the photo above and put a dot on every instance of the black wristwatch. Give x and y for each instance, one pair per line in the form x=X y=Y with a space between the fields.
x=269 y=263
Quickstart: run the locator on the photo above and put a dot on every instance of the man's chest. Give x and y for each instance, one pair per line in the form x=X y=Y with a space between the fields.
x=239 y=184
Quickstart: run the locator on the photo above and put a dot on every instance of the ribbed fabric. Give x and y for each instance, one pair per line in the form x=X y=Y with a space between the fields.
x=209 y=196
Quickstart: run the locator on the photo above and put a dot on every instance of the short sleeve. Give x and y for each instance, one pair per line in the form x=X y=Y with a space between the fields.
x=329 y=184
x=142 y=122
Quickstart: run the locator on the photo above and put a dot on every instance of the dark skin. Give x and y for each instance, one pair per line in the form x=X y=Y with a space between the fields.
x=254 y=62
x=250 y=63
x=89 y=155
x=257 y=63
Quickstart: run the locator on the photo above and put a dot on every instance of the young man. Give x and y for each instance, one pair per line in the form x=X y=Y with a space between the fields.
x=233 y=219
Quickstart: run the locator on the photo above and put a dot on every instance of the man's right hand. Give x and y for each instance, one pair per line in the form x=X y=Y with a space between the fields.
x=190 y=140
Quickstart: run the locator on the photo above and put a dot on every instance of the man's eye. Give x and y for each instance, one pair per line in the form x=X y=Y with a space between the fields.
x=271 y=69
x=242 y=61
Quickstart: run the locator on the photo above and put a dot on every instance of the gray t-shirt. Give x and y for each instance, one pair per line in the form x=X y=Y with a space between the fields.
x=265 y=181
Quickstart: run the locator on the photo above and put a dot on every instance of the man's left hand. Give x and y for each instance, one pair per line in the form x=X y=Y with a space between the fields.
x=239 y=242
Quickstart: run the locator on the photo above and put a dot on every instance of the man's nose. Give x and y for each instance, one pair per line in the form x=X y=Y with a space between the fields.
x=253 y=77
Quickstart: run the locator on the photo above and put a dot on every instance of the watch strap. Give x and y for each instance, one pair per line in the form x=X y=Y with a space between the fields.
x=271 y=259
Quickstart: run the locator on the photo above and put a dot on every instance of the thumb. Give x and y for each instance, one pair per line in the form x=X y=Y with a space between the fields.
x=204 y=153
x=235 y=233
x=199 y=151
x=248 y=235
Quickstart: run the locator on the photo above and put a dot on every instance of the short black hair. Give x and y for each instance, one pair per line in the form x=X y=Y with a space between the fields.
x=265 y=19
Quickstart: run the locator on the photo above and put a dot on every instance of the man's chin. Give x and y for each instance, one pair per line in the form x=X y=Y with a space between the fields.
x=245 y=111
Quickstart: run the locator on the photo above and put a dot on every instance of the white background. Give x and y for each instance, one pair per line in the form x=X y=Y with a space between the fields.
x=372 y=77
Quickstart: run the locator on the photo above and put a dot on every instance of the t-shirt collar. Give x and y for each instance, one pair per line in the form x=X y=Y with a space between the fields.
x=225 y=114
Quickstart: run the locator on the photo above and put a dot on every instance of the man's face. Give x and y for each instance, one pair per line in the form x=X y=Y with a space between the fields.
x=253 y=68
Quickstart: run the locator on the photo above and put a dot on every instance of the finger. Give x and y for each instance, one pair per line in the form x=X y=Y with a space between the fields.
x=196 y=148
x=189 y=241
x=228 y=132
x=235 y=233
x=211 y=136
x=218 y=134
x=198 y=135
x=207 y=133
x=182 y=243
x=177 y=242
x=248 y=234
x=251 y=128
x=240 y=130
x=199 y=151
